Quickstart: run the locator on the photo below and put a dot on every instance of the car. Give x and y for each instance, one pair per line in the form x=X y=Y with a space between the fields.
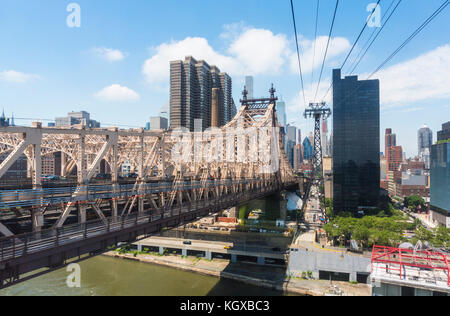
x=228 y=247
x=187 y=242
x=276 y=249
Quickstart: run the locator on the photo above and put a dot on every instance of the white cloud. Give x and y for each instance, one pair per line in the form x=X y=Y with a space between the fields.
x=252 y=51
x=422 y=78
x=338 y=46
x=156 y=69
x=117 y=92
x=109 y=54
x=17 y=77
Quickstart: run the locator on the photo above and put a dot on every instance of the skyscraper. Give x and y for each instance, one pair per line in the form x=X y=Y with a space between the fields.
x=325 y=140
x=356 y=143
x=440 y=178
x=191 y=86
x=445 y=133
x=291 y=136
x=281 y=113
x=424 y=138
x=307 y=149
x=249 y=86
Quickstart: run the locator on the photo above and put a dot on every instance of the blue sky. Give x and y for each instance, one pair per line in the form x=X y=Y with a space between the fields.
x=116 y=64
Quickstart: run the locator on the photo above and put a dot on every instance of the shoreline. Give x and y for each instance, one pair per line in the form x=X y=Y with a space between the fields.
x=292 y=286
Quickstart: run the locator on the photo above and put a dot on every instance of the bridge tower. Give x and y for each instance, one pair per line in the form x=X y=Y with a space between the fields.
x=318 y=111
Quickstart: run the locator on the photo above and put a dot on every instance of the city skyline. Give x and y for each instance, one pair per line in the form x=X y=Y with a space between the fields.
x=97 y=69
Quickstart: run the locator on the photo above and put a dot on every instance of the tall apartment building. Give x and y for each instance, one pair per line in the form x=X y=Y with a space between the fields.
x=191 y=94
x=356 y=143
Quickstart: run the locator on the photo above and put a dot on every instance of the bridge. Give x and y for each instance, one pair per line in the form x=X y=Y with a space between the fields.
x=181 y=176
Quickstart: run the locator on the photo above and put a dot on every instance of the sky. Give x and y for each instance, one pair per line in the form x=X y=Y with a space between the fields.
x=114 y=63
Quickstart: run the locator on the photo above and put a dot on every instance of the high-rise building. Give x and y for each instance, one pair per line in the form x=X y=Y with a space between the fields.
x=307 y=149
x=191 y=88
x=424 y=138
x=249 y=86
x=395 y=157
x=445 y=133
x=291 y=142
x=390 y=140
x=440 y=179
x=325 y=140
x=297 y=157
x=281 y=113
x=356 y=143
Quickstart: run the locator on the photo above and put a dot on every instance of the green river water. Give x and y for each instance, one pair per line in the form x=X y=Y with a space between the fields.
x=105 y=276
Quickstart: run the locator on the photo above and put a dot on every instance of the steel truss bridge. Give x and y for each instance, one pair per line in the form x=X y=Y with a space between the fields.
x=182 y=176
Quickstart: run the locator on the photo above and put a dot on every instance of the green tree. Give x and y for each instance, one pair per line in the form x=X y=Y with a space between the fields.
x=414 y=201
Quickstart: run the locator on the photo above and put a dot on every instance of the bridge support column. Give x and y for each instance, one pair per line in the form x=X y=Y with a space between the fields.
x=208 y=255
x=161 y=250
x=37 y=220
x=139 y=247
x=233 y=258
x=261 y=261
x=353 y=277
x=184 y=252
x=81 y=213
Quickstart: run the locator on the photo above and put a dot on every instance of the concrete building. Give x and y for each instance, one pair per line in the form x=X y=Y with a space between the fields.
x=356 y=143
x=440 y=180
x=424 y=138
x=77 y=118
x=158 y=123
x=339 y=266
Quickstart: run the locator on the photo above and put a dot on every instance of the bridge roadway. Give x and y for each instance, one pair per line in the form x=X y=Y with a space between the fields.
x=212 y=247
x=53 y=196
x=52 y=248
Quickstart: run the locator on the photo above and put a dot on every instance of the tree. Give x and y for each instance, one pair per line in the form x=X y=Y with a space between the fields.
x=414 y=201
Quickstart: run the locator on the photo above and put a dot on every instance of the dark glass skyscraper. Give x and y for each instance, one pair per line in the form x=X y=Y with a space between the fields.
x=440 y=177
x=356 y=143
